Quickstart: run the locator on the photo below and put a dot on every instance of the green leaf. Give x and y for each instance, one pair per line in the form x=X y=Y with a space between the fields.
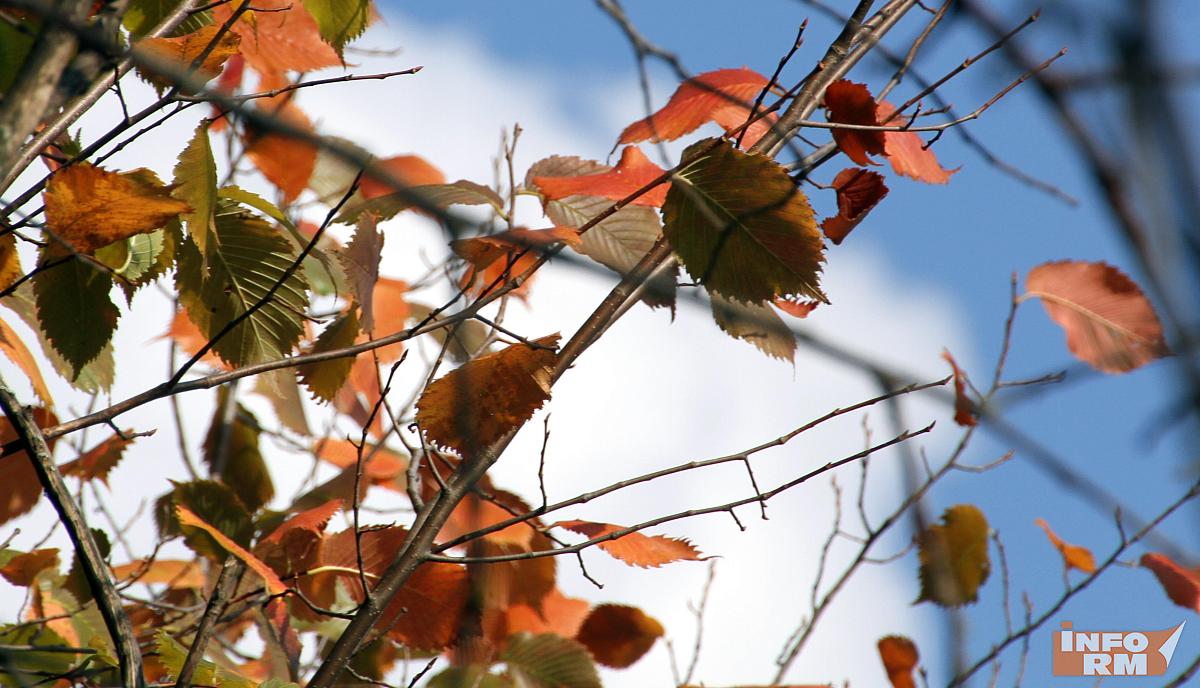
x=324 y=379
x=340 y=21
x=215 y=504
x=172 y=655
x=157 y=247
x=954 y=557
x=461 y=192
x=144 y=15
x=756 y=323
x=74 y=309
x=473 y=676
x=742 y=227
x=196 y=185
x=231 y=453
x=23 y=669
x=549 y=660
x=247 y=260
x=97 y=376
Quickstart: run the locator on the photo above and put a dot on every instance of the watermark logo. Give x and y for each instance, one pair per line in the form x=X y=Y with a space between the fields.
x=1113 y=653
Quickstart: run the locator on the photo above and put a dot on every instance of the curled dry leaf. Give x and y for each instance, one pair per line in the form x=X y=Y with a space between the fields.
x=1074 y=556
x=633 y=172
x=900 y=657
x=858 y=191
x=954 y=557
x=964 y=409
x=476 y=404
x=1181 y=584
x=1110 y=324
x=847 y=102
x=723 y=96
x=636 y=549
x=89 y=207
x=617 y=635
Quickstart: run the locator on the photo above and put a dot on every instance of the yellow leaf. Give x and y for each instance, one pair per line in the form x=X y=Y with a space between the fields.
x=954 y=557
x=90 y=207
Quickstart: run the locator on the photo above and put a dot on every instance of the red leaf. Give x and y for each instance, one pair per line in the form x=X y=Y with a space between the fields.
x=274 y=585
x=1181 y=584
x=858 y=191
x=1110 y=323
x=312 y=521
x=99 y=461
x=617 y=636
x=411 y=170
x=964 y=408
x=796 y=308
x=633 y=172
x=634 y=548
x=699 y=100
x=907 y=152
x=847 y=102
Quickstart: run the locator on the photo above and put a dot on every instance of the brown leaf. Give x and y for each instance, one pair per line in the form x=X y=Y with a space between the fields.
x=965 y=413
x=182 y=52
x=703 y=98
x=617 y=636
x=858 y=191
x=1074 y=556
x=907 y=152
x=90 y=207
x=900 y=657
x=173 y=573
x=1110 y=324
x=360 y=260
x=16 y=351
x=847 y=102
x=98 y=462
x=474 y=405
x=22 y=489
x=22 y=569
x=1181 y=584
x=633 y=172
x=274 y=585
x=636 y=549
x=391 y=314
x=475 y=513
x=410 y=170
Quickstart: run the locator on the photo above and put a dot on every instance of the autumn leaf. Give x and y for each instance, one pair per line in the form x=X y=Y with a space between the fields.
x=325 y=378
x=10 y=260
x=286 y=161
x=22 y=489
x=741 y=226
x=196 y=184
x=847 y=102
x=724 y=95
x=617 y=635
x=189 y=339
x=549 y=660
x=633 y=172
x=410 y=170
x=907 y=153
x=797 y=308
x=965 y=412
x=381 y=466
x=1074 y=556
x=476 y=513
x=279 y=36
x=231 y=452
x=275 y=586
x=212 y=502
x=482 y=251
x=182 y=52
x=97 y=462
x=635 y=549
x=89 y=207
x=954 y=557
x=173 y=573
x=312 y=520
x=172 y=655
x=340 y=21
x=360 y=260
x=1110 y=324
x=858 y=191
x=755 y=323
x=1181 y=584
x=22 y=569
x=476 y=404
x=900 y=657
x=15 y=350
x=558 y=614
x=461 y=192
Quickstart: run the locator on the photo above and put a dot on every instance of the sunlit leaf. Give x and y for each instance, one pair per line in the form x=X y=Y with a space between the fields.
x=10 y=260
x=325 y=378
x=188 y=519
x=1180 y=583
x=858 y=191
x=900 y=657
x=279 y=36
x=742 y=227
x=410 y=170
x=965 y=411
x=196 y=184
x=340 y=21
x=286 y=161
x=907 y=152
x=617 y=635
x=723 y=95
x=182 y=52
x=954 y=557
x=847 y=102
x=1110 y=324
x=15 y=350
x=97 y=462
x=1074 y=556
x=633 y=172
x=636 y=549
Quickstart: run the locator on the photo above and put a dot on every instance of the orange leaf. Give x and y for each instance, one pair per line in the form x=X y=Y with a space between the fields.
x=182 y=51
x=22 y=569
x=1182 y=585
x=475 y=513
x=633 y=172
x=699 y=100
x=380 y=465
x=16 y=351
x=482 y=251
x=796 y=308
x=476 y=404
x=636 y=549
x=281 y=37
x=390 y=312
x=558 y=614
x=274 y=585
x=90 y=207
x=98 y=461
x=907 y=152
x=313 y=521
x=189 y=338
x=22 y=489
x=900 y=657
x=411 y=170
x=858 y=191
x=964 y=408
x=617 y=636
x=1074 y=556
x=847 y=102
x=286 y=162
x=174 y=573
x=10 y=261
x=1110 y=323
